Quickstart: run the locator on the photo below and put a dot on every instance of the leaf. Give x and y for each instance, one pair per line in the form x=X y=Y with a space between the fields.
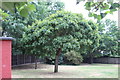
x=3 y=15
x=95 y=15
x=106 y=6
x=103 y=15
x=97 y=6
x=20 y=6
x=24 y=12
x=8 y=6
x=107 y=12
x=87 y=6
x=116 y=5
x=90 y=14
x=31 y=7
x=112 y=10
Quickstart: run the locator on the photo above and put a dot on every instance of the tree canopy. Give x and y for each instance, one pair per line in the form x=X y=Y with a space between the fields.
x=60 y=33
x=109 y=32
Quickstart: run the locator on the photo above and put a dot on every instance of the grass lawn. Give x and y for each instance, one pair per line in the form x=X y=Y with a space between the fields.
x=66 y=71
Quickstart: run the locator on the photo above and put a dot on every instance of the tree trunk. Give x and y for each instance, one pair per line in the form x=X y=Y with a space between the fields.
x=2 y=33
x=56 y=60
x=90 y=58
x=35 y=62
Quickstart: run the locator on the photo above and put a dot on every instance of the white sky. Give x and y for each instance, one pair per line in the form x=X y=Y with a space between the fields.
x=70 y=5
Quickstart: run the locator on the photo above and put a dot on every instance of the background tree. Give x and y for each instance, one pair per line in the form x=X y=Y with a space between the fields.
x=15 y=25
x=43 y=10
x=94 y=38
x=60 y=33
x=109 y=32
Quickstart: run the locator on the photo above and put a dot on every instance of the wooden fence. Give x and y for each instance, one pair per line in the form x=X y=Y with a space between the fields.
x=22 y=59
x=108 y=60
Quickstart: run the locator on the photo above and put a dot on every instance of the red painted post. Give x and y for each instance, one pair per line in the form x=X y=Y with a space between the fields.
x=5 y=57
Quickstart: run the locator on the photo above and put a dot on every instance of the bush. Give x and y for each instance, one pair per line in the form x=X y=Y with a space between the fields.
x=73 y=58
x=50 y=60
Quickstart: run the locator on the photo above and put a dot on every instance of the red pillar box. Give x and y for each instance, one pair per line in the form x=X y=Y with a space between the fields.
x=5 y=57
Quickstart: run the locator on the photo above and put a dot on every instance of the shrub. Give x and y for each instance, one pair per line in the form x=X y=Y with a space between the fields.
x=73 y=58
x=51 y=60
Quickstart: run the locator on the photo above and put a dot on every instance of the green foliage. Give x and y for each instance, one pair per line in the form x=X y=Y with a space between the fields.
x=15 y=25
x=65 y=30
x=8 y=6
x=103 y=8
x=51 y=59
x=3 y=15
x=22 y=7
x=73 y=57
x=25 y=7
x=109 y=32
x=43 y=10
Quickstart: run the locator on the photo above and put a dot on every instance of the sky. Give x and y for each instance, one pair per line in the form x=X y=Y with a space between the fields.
x=70 y=5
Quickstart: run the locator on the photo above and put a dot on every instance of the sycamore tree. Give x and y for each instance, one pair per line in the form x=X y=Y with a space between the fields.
x=61 y=33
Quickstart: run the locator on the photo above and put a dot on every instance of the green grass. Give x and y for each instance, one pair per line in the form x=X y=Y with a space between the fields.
x=67 y=71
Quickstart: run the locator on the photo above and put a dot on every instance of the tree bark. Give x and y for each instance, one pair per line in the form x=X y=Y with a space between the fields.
x=2 y=33
x=91 y=58
x=35 y=62
x=56 y=60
